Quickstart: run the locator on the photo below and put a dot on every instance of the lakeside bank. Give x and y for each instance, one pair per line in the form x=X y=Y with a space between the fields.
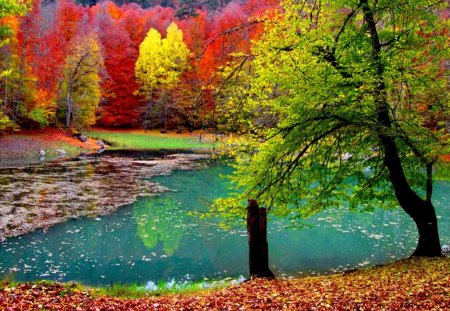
x=412 y=284
x=37 y=181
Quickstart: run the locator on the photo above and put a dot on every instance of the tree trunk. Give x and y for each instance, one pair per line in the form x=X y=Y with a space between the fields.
x=147 y=114
x=421 y=211
x=428 y=244
x=20 y=86
x=68 y=106
x=264 y=245
x=165 y=118
x=257 y=241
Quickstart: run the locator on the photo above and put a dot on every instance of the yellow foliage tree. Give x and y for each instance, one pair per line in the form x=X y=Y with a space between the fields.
x=8 y=8
x=80 y=88
x=160 y=64
x=149 y=65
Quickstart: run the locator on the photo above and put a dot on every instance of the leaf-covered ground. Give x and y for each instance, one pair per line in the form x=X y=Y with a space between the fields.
x=23 y=148
x=419 y=284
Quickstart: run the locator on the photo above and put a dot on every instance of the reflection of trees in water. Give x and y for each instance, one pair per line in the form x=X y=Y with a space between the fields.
x=165 y=220
x=176 y=244
x=173 y=220
x=161 y=220
x=43 y=195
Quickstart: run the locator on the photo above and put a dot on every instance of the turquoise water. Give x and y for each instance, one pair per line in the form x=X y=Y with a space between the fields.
x=158 y=239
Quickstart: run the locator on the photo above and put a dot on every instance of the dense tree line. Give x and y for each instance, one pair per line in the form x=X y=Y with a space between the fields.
x=182 y=6
x=74 y=65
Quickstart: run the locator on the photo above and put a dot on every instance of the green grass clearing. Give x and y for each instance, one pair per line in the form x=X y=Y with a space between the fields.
x=140 y=141
x=132 y=291
x=161 y=289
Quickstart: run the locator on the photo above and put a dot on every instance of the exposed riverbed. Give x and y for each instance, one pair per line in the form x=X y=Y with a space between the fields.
x=43 y=195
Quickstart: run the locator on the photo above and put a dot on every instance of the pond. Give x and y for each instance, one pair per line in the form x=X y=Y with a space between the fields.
x=161 y=238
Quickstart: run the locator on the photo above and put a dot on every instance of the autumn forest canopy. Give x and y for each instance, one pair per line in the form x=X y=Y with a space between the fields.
x=112 y=65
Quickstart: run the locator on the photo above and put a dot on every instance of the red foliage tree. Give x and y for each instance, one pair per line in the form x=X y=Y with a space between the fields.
x=55 y=25
x=120 y=104
x=48 y=29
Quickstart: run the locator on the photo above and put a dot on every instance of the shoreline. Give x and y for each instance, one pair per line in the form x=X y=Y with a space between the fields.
x=87 y=188
x=414 y=283
x=36 y=193
x=24 y=148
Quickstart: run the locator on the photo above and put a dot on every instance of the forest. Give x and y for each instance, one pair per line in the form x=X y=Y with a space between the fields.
x=74 y=66
x=279 y=154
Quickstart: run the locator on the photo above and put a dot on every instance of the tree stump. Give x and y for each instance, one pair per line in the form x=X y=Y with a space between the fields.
x=257 y=241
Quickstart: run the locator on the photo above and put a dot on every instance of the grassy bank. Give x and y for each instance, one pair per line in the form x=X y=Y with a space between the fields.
x=23 y=148
x=126 y=291
x=138 y=139
x=413 y=284
x=162 y=288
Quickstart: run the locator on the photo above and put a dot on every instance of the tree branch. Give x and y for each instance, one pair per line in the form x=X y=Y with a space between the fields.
x=294 y=163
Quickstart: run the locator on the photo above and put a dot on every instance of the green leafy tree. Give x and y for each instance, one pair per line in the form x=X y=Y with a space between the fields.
x=230 y=113
x=160 y=65
x=8 y=8
x=346 y=83
x=80 y=88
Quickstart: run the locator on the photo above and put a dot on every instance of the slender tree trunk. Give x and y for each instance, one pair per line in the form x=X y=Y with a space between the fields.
x=5 y=99
x=165 y=118
x=68 y=105
x=20 y=86
x=420 y=210
x=147 y=116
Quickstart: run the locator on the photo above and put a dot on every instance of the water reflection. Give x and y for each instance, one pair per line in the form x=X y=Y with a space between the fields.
x=161 y=220
x=156 y=239
x=43 y=195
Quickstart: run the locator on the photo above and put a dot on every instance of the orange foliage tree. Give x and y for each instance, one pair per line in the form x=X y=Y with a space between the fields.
x=42 y=45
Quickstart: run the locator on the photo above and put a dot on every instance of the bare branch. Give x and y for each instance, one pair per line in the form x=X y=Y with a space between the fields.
x=228 y=31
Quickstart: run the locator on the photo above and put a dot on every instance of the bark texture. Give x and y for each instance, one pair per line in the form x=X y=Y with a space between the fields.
x=257 y=241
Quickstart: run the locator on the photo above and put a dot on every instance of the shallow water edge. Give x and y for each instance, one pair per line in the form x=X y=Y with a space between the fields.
x=42 y=195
